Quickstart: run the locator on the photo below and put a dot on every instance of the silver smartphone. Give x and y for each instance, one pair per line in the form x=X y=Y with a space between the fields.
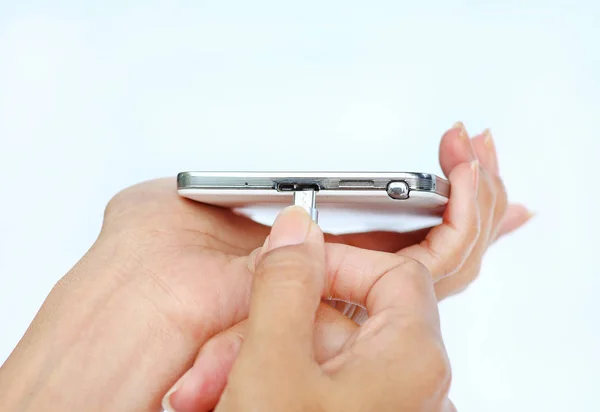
x=420 y=194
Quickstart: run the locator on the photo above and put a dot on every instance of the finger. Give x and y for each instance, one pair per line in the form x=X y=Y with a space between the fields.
x=407 y=289
x=515 y=217
x=403 y=331
x=455 y=148
x=504 y=219
x=365 y=270
x=457 y=283
x=446 y=246
x=492 y=203
x=379 y=240
x=485 y=149
x=332 y=331
x=287 y=286
x=469 y=269
x=492 y=209
x=206 y=380
x=507 y=218
x=451 y=258
x=352 y=272
x=498 y=209
x=394 y=282
x=201 y=386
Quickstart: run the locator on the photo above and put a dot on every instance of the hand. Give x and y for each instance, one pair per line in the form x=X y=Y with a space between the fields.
x=395 y=361
x=477 y=214
x=166 y=274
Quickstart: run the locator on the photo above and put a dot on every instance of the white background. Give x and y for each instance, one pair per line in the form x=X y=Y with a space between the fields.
x=94 y=98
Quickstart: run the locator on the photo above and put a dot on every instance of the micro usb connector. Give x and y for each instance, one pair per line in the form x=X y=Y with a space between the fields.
x=308 y=200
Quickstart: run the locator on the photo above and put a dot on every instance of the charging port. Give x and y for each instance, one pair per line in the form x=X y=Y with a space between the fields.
x=296 y=187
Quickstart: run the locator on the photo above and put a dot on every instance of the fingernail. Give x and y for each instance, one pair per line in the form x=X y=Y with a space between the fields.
x=530 y=214
x=461 y=127
x=475 y=170
x=291 y=227
x=489 y=143
x=489 y=139
x=166 y=401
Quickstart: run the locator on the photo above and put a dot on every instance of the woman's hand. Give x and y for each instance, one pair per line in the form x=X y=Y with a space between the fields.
x=395 y=361
x=477 y=214
x=166 y=274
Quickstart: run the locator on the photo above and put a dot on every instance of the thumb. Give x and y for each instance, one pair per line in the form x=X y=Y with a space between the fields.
x=289 y=276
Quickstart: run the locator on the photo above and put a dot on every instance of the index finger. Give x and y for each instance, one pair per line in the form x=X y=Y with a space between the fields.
x=405 y=289
x=378 y=280
x=400 y=346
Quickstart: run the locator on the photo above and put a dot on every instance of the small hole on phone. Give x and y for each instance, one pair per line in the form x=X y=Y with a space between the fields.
x=293 y=187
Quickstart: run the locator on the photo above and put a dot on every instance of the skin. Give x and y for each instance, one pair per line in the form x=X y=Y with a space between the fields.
x=400 y=341
x=166 y=275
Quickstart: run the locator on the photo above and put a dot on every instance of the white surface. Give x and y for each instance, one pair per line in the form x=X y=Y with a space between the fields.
x=97 y=97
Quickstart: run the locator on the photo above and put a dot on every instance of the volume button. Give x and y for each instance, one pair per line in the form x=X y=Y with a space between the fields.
x=398 y=190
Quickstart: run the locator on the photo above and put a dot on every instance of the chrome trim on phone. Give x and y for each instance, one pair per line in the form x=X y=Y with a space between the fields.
x=346 y=181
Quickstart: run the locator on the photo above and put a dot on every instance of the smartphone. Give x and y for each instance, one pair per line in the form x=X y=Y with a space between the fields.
x=373 y=193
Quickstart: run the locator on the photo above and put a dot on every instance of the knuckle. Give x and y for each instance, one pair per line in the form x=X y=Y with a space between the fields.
x=460 y=248
x=435 y=369
x=432 y=365
x=412 y=270
x=125 y=200
x=416 y=270
x=291 y=263
x=412 y=266
x=144 y=193
x=445 y=263
x=117 y=202
x=443 y=289
x=470 y=274
x=409 y=276
x=461 y=280
x=140 y=200
x=224 y=346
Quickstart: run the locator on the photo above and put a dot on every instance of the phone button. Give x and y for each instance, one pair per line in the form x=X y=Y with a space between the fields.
x=398 y=190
